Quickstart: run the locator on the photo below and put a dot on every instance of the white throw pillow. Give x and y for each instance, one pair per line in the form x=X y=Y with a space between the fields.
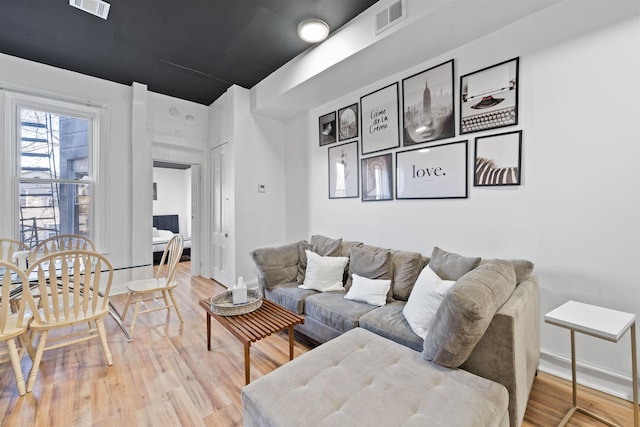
x=371 y=291
x=324 y=273
x=424 y=300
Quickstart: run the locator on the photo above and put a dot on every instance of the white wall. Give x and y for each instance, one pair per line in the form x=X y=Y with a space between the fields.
x=174 y=196
x=576 y=213
x=257 y=147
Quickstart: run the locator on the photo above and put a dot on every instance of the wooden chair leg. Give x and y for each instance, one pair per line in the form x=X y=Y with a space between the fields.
x=126 y=305
x=175 y=305
x=166 y=300
x=15 y=361
x=103 y=339
x=135 y=316
x=36 y=361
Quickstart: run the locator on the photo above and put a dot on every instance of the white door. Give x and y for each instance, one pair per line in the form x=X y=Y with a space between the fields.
x=196 y=191
x=222 y=250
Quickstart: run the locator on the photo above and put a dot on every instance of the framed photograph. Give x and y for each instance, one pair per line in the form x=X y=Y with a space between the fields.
x=489 y=97
x=343 y=171
x=348 y=122
x=327 y=128
x=379 y=118
x=498 y=159
x=434 y=172
x=377 y=180
x=428 y=106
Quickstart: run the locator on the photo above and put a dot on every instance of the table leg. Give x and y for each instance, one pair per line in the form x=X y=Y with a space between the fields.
x=115 y=315
x=247 y=363
x=573 y=368
x=208 y=332
x=291 y=342
x=634 y=372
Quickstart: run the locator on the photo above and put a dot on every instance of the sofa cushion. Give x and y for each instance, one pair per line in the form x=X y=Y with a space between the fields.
x=523 y=268
x=326 y=246
x=324 y=273
x=347 y=245
x=371 y=291
x=425 y=298
x=372 y=265
x=303 y=245
x=289 y=296
x=341 y=384
x=388 y=321
x=451 y=266
x=466 y=311
x=406 y=268
x=276 y=264
x=332 y=309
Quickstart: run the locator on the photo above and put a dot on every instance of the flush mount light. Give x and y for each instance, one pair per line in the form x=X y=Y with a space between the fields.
x=313 y=30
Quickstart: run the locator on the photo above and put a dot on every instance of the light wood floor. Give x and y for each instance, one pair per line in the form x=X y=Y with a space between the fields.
x=166 y=377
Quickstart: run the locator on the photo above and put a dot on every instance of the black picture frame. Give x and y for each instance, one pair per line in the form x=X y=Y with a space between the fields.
x=327 y=128
x=348 y=122
x=433 y=172
x=489 y=97
x=498 y=160
x=379 y=119
x=428 y=105
x=344 y=172
x=377 y=178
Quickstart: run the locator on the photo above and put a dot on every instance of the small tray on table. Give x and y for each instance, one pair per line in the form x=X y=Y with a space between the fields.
x=222 y=304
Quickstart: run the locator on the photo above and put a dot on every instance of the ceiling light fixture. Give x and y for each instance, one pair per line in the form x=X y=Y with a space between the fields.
x=313 y=30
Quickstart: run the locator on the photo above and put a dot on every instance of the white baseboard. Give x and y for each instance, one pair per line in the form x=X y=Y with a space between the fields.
x=587 y=375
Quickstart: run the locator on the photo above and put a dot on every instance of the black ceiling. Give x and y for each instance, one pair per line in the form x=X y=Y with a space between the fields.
x=190 y=49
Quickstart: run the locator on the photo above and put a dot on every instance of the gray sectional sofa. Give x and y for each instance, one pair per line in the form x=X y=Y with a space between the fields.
x=485 y=335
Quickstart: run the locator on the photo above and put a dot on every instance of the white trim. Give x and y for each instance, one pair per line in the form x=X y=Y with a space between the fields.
x=98 y=154
x=591 y=376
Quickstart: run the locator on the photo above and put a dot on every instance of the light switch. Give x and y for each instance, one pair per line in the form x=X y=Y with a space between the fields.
x=261 y=188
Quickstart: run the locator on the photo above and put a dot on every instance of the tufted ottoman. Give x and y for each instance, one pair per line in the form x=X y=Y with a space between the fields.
x=363 y=379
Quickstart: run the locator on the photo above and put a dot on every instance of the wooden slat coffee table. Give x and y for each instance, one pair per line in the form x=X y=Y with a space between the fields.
x=251 y=327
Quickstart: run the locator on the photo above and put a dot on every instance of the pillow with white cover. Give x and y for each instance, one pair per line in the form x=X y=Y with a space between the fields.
x=167 y=234
x=324 y=273
x=424 y=300
x=371 y=291
x=155 y=232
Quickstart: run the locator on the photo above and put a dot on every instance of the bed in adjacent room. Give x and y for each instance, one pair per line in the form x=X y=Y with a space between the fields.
x=164 y=227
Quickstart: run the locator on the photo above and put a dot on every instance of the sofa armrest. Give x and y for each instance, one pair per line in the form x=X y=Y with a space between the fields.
x=276 y=265
x=509 y=351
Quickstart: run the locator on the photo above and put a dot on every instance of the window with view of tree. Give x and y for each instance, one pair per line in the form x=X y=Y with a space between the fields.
x=55 y=174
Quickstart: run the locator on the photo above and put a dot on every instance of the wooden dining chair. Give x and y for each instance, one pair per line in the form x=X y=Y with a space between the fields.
x=83 y=282
x=13 y=326
x=64 y=242
x=146 y=290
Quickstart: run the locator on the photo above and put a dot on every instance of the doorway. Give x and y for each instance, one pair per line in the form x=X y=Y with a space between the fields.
x=176 y=189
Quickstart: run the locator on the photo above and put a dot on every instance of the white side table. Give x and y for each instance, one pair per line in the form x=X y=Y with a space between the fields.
x=602 y=323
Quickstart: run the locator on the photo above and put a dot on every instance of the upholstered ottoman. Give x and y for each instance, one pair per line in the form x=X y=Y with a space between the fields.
x=362 y=379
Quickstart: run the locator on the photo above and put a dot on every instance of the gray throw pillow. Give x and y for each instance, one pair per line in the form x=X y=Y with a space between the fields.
x=406 y=268
x=451 y=266
x=326 y=246
x=523 y=268
x=371 y=265
x=277 y=265
x=302 y=264
x=466 y=312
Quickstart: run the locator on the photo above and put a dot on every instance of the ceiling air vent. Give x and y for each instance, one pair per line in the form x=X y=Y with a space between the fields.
x=94 y=7
x=390 y=16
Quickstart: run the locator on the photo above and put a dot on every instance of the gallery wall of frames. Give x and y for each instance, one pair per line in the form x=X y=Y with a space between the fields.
x=407 y=130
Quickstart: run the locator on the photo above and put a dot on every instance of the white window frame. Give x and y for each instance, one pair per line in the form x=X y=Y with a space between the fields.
x=97 y=116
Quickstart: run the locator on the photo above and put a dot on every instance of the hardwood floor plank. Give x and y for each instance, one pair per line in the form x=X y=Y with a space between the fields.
x=166 y=376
